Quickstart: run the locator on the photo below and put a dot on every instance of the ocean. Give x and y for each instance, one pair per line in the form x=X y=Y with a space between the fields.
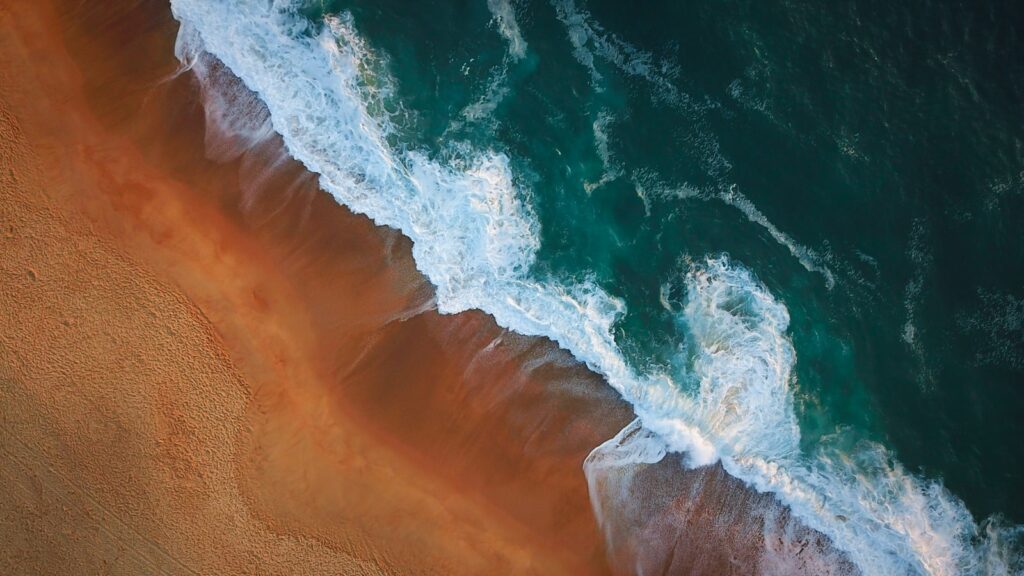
x=786 y=232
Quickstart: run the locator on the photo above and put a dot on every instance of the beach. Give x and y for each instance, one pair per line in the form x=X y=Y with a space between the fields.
x=166 y=390
x=213 y=367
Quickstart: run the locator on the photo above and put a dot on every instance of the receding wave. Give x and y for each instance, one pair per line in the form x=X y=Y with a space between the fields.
x=476 y=237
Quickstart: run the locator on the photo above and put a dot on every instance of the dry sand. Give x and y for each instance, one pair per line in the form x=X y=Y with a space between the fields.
x=214 y=368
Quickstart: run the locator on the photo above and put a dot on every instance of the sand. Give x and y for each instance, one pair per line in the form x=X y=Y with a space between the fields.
x=190 y=387
x=212 y=367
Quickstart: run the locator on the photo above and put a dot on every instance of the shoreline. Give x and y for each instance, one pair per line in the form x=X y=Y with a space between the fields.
x=142 y=189
x=417 y=441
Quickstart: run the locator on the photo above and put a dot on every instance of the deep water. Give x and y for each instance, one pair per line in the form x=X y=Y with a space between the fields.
x=860 y=163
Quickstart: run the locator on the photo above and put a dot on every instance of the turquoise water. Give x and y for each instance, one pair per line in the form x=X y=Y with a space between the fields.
x=885 y=140
x=861 y=164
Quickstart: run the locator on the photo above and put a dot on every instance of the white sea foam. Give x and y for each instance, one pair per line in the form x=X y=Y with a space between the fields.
x=601 y=126
x=475 y=238
x=590 y=42
x=611 y=168
x=649 y=185
x=807 y=257
x=504 y=14
x=920 y=259
x=493 y=95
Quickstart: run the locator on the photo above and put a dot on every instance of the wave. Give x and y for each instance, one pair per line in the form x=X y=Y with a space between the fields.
x=475 y=237
x=649 y=510
x=592 y=44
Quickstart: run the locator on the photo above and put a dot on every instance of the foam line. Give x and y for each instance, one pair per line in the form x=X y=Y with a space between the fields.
x=808 y=258
x=504 y=14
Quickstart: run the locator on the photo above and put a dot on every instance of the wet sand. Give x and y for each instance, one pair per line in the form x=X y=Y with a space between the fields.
x=211 y=367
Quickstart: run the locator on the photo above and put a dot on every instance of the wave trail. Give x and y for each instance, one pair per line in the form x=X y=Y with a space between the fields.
x=504 y=14
x=808 y=258
x=590 y=42
x=649 y=510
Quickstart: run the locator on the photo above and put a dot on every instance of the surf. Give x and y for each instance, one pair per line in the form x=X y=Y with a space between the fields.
x=475 y=237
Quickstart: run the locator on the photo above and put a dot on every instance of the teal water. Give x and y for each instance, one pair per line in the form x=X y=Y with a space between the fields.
x=886 y=141
x=863 y=160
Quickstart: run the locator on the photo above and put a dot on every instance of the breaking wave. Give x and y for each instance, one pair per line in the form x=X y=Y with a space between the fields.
x=475 y=237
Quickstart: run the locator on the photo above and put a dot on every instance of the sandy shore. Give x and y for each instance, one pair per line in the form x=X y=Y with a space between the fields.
x=200 y=379
x=214 y=368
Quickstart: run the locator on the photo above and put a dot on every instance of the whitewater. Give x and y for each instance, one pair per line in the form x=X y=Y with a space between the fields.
x=475 y=237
